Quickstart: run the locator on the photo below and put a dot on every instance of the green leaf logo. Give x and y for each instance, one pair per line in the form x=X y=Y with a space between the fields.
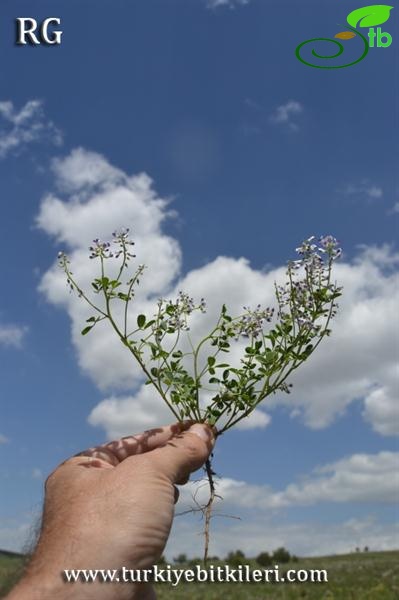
x=369 y=16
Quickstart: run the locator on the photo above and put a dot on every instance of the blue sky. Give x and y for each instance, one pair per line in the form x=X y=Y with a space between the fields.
x=253 y=151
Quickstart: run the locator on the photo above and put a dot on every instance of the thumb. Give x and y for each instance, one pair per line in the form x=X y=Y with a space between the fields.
x=184 y=453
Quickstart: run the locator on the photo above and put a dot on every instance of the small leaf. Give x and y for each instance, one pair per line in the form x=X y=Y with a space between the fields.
x=211 y=360
x=87 y=329
x=345 y=35
x=141 y=321
x=369 y=16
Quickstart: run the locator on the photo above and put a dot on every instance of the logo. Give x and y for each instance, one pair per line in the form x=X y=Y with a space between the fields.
x=367 y=16
x=29 y=31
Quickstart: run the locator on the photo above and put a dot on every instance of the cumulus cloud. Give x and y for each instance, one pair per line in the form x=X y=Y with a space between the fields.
x=361 y=478
x=285 y=113
x=94 y=198
x=262 y=533
x=364 y=189
x=3 y=439
x=361 y=354
x=19 y=128
x=381 y=407
x=12 y=335
x=226 y=3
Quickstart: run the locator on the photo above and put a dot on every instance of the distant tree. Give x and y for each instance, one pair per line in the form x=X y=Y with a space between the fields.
x=357 y=549
x=281 y=555
x=294 y=558
x=196 y=561
x=180 y=559
x=366 y=549
x=214 y=559
x=235 y=558
x=264 y=559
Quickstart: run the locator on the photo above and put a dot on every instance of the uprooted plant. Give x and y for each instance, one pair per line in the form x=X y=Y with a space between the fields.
x=191 y=376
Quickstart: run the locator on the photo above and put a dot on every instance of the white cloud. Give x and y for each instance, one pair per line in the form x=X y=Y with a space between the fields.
x=361 y=354
x=37 y=473
x=284 y=114
x=226 y=3
x=381 y=407
x=357 y=360
x=259 y=533
x=3 y=439
x=360 y=478
x=395 y=208
x=24 y=126
x=365 y=188
x=12 y=335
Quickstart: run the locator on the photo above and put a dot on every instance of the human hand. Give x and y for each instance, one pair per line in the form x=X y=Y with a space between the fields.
x=112 y=506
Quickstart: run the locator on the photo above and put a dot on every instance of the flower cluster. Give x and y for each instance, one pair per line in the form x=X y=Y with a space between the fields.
x=121 y=238
x=100 y=248
x=251 y=324
x=174 y=314
x=298 y=295
x=63 y=262
x=330 y=245
x=103 y=249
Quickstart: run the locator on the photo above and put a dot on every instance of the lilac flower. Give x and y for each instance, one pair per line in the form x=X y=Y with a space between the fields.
x=251 y=324
x=330 y=246
x=174 y=314
x=100 y=248
x=121 y=238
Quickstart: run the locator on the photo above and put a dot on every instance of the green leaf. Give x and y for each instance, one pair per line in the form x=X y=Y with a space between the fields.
x=141 y=321
x=87 y=329
x=91 y=320
x=369 y=16
x=211 y=360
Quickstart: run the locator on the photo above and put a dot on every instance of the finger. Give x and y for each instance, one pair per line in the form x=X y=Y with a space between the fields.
x=116 y=451
x=183 y=480
x=177 y=494
x=184 y=453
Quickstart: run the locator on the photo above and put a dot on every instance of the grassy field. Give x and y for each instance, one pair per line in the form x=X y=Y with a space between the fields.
x=360 y=576
x=10 y=570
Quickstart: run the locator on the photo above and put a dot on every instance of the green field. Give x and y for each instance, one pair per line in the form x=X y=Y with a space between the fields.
x=10 y=570
x=358 y=576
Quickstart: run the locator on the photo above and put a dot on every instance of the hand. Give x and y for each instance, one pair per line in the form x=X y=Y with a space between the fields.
x=109 y=507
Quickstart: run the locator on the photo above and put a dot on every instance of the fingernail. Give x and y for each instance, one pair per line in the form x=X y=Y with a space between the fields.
x=203 y=432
